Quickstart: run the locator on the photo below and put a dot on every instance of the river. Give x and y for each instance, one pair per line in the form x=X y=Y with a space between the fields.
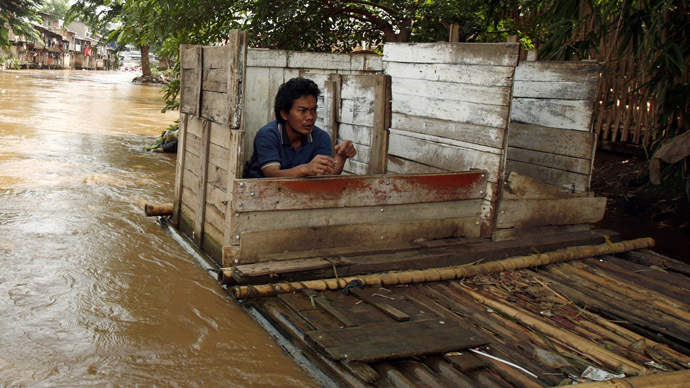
x=93 y=292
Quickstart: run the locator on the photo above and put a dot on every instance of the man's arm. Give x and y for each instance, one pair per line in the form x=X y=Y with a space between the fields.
x=343 y=152
x=320 y=165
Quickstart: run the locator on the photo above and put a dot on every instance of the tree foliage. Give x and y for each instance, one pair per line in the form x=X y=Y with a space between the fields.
x=17 y=15
x=58 y=8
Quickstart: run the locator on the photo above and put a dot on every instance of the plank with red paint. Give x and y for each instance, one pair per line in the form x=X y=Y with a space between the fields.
x=353 y=191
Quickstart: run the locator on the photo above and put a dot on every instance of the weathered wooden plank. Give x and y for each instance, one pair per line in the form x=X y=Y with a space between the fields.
x=188 y=56
x=382 y=121
x=356 y=112
x=179 y=167
x=452 y=91
x=518 y=186
x=498 y=54
x=218 y=156
x=554 y=89
x=358 y=87
x=525 y=212
x=257 y=103
x=381 y=342
x=569 y=181
x=203 y=178
x=256 y=270
x=573 y=143
x=450 y=142
x=444 y=156
x=258 y=57
x=545 y=159
x=536 y=231
x=339 y=191
x=485 y=75
x=287 y=219
x=366 y=62
x=544 y=71
x=193 y=144
x=464 y=132
x=216 y=57
x=566 y=114
x=311 y=60
x=331 y=106
x=369 y=297
x=253 y=245
x=214 y=107
x=215 y=80
x=403 y=166
x=235 y=58
x=355 y=167
x=216 y=199
x=220 y=135
x=234 y=170
x=218 y=177
x=459 y=111
x=358 y=134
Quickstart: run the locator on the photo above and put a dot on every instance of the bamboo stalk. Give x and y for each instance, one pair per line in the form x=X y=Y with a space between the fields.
x=225 y=276
x=448 y=273
x=606 y=356
x=165 y=209
x=655 y=299
x=678 y=379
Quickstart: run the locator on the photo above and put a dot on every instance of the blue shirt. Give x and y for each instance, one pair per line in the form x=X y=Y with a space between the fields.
x=272 y=146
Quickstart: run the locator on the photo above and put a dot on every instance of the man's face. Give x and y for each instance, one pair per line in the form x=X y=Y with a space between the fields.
x=302 y=116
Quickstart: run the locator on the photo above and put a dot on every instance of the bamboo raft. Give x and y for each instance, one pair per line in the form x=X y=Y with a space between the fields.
x=531 y=321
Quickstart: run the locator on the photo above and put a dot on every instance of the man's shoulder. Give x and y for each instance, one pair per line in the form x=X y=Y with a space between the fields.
x=319 y=134
x=269 y=131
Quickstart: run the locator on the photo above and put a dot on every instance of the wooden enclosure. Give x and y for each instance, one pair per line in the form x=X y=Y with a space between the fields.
x=433 y=126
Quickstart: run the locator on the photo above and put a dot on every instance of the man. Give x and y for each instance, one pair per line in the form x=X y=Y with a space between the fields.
x=292 y=146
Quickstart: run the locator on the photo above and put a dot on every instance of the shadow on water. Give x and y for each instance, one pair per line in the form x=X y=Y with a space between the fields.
x=92 y=292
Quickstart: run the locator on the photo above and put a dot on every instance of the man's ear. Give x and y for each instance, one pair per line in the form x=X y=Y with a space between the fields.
x=284 y=114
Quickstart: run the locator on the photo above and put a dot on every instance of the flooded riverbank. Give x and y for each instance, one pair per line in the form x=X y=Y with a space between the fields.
x=92 y=292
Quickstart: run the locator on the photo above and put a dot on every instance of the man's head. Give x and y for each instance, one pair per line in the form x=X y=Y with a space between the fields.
x=290 y=91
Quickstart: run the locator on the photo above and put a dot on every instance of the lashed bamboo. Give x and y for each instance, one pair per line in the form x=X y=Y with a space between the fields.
x=448 y=273
x=678 y=379
x=656 y=300
x=590 y=348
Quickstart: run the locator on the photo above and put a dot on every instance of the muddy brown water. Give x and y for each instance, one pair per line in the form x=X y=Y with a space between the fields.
x=92 y=292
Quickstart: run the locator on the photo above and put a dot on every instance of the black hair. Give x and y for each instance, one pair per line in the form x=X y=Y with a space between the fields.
x=292 y=90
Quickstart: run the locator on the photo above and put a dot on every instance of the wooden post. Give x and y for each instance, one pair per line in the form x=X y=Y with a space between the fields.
x=199 y=75
x=332 y=93
x=203 y=178
x=382 y=117
x=454 y=35
x=179 y=167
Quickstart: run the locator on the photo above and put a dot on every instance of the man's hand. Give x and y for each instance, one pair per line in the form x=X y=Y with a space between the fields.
x=345 y=149
x=320 y=165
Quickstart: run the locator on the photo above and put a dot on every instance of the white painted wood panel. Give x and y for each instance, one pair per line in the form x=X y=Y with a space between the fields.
x=465 y=112
x=501 y=54
x=266 y=58
x=470 y=133
x=452 y=91
x=554 y=89
x=567 y=114
x=444 y=156
x=358 y=134
x=466 y=74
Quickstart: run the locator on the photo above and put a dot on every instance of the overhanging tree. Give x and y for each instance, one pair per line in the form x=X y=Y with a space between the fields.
x=17 y=15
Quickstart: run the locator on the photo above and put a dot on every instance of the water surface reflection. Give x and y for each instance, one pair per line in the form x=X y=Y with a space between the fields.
x=91 y=291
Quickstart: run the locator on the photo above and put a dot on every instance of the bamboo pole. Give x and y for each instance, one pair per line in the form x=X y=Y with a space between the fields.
x=165 y=209
x=678 y=379
x=447 y=273
x=588 y=347
x=225 y=275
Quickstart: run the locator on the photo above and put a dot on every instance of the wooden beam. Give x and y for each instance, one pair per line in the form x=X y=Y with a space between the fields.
x=179 y=168
x=237 y=64
x=203 y=178
x=199 y=79
x=253 y=245
x=382 y=122
x=350 y=191
x=536 y=212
